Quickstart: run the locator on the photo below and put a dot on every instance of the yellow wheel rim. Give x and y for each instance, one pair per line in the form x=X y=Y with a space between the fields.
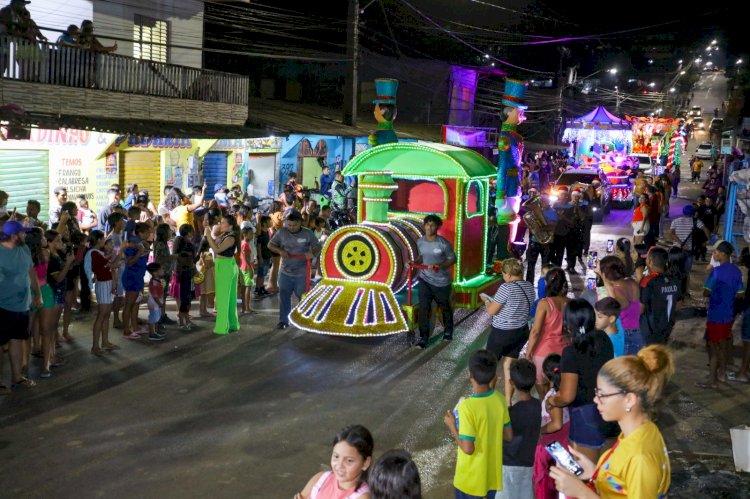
x=356 y=256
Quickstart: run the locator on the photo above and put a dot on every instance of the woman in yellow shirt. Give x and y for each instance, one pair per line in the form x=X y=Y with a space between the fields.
x=180 y=208
x=637 y=466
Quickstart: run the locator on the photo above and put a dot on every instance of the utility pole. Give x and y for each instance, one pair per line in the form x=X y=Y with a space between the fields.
x=352 y=53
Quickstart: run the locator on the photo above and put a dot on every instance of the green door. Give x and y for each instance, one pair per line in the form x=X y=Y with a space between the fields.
x=24 y=175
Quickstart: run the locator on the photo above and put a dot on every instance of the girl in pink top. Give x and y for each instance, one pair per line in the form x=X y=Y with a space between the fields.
x=546 y=336
x=350 y=461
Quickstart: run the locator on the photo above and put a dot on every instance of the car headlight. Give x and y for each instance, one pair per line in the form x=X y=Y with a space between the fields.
x=596 y=209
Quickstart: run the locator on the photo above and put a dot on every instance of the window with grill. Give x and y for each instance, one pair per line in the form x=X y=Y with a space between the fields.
x=150 y=39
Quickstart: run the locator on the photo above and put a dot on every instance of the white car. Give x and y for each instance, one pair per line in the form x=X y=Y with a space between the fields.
x=703 y=151
x=699 y=123
x=696 y=111
x=645 y=163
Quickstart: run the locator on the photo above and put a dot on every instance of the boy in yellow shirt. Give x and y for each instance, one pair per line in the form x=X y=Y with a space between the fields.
x=483 y=423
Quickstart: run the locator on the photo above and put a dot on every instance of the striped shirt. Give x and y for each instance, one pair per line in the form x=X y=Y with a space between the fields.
x=516 y=298
x=683 y=227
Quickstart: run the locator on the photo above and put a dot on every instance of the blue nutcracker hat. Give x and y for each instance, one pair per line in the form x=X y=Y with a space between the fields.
x=385 y=91
x=515 y=91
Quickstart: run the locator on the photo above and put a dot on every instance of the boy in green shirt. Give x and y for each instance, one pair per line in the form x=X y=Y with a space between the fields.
x=484 y=423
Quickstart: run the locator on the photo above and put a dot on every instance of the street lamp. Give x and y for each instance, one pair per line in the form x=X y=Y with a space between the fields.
x=650 y=61
x=713 y=42
x=673 y=90
x=679 y=62
x=739 y=61
x=682 y=72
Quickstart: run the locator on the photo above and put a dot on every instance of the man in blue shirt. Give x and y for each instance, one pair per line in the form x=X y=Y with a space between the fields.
x=723 y=286
x=19 y=282
x=326 y=181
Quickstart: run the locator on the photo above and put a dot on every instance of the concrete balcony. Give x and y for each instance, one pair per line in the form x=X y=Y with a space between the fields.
x=47 y=82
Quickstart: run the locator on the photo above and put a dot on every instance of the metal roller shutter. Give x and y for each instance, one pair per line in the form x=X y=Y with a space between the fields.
x=142 y=168
x=214 y=171
x=24 y=175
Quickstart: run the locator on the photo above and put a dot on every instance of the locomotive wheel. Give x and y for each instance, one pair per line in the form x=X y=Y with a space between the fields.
x=356 y=256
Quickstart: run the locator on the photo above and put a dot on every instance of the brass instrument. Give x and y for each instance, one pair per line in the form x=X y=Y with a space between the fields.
x=535 y=220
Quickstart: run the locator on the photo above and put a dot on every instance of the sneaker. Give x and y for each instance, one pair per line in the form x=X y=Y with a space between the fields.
x=186 y=327
x=166 y=320
x=282 y=325
x=155 y=337
x=421 y=344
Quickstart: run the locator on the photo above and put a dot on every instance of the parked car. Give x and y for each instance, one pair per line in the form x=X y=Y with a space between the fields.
x=717 y=125
x=698 y=123
x=645 y=162
x=584 y=177
x=696 y=111
x=703 y=151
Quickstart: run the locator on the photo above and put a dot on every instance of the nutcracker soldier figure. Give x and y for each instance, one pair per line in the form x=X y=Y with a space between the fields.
x=510 y=149
x=385 y=112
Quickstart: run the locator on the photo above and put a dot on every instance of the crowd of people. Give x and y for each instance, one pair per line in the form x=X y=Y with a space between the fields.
x=221 y=254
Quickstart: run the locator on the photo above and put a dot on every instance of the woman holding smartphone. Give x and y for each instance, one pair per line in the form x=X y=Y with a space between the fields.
x=627 y=389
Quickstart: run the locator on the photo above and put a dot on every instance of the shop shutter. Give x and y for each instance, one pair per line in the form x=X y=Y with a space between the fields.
x=24 y=175
x=142 y=168
x=214 y=171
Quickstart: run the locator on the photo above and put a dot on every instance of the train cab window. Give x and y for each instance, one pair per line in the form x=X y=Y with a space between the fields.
x=474 y=199
x=419 y=196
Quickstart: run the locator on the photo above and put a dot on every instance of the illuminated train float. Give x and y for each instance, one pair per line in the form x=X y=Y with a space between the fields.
x=366 y=267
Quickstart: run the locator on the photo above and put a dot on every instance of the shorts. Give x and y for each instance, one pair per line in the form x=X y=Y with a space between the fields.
x=133 y=281
x=637 y=228
x=587 y=428
x=103 y=291
x=16 y=325
x=246 y=278
x=507 y=342
x=154 y=311
x=518 y=483
x=48 y=296
x=717 y=332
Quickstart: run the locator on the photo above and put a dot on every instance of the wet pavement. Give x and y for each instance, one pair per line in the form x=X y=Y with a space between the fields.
x=253 y=414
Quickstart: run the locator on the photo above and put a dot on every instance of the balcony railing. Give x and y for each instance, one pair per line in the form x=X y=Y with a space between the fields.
x=82 y=68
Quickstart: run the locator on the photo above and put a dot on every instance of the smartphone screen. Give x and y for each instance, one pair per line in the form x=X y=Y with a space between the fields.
x=564 y=458
x=610 y=245
x=591 y=283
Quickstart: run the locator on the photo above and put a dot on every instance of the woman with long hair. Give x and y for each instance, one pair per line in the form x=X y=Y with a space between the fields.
x=624 y=251
x=627 y=292
x=588 y=351
x=59 y=265
x=226 y=274
x=546 y=335
x=640 y=220
x=627 y=391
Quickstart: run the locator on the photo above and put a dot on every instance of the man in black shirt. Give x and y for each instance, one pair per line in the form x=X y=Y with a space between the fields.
x=707 y=214
x=659 y=293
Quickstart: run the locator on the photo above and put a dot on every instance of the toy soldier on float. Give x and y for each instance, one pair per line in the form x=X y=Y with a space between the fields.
x=385 y=112
x=510 y=152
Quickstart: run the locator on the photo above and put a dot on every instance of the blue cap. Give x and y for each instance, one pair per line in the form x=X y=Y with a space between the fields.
x=688 y=210
x=515 y=91
x=385 y=91
x=219 y=187
x=12 y=227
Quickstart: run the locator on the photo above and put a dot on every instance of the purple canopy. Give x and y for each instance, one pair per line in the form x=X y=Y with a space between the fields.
x=600 y=119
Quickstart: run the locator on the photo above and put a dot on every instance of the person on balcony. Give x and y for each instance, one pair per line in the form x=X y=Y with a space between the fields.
x=69 y=38
x=86 y=39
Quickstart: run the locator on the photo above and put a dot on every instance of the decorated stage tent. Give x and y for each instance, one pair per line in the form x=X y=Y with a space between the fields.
x=586 y=133
x=365 y=267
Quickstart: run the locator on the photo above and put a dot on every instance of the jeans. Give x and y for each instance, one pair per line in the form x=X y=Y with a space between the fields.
x=442 y=296
x=532 y=255
x=633 y=341
x=262 y=272
x=289 y=284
